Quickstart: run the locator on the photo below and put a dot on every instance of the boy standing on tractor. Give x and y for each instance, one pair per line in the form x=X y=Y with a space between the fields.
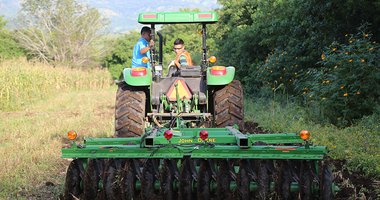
x=141 y=48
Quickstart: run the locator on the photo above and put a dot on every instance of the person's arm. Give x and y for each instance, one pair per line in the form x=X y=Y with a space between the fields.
x=146 y=49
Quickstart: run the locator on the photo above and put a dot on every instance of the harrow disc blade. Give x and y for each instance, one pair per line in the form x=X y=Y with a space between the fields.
x=186 y=180
x=243 y=180
x=204 y=180
x=128 y=180
x=73 y=189
x=285 y=179
x=111 y=184
x=327 y=186
x=263 y=179
x=223 y=180
x=148 y=180
x=91 y=179
x=167 y=179
x=306 y=180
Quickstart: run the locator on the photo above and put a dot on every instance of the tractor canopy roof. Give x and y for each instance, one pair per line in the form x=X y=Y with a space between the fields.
x=177 y=17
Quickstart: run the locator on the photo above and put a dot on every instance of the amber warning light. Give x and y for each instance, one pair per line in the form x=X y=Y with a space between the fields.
x=72 y=135
x=304 y=134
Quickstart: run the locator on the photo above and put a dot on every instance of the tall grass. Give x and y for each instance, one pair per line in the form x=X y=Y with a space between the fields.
x=359 y=144
x=31 y=140
x=23 y=82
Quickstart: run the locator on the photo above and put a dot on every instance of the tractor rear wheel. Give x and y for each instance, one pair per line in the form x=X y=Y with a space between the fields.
x=228 y=105
x=129 y=111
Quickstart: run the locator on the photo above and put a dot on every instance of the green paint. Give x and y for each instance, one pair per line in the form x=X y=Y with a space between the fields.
x=222 y=143
x=137 y=80
x=221 y=80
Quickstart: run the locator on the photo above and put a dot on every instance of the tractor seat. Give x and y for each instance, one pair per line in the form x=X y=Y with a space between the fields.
x=193 y=71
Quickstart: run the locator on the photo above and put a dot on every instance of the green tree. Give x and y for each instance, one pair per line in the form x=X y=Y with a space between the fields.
x=61 y=31
x=120 y=55
x=280 y=41
x=9 y=47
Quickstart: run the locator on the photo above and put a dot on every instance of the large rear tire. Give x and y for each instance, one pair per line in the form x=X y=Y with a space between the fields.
x=129 y=111
x=228 y=105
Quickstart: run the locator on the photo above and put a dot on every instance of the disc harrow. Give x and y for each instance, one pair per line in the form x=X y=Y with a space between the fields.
x=225 y=165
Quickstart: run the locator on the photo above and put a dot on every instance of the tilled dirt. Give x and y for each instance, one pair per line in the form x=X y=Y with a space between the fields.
x=354 y=185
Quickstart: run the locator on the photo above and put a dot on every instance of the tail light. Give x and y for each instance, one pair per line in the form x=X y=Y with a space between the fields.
x=138 y=71
x=203 y=134
x=218 y=70
x=168 y=134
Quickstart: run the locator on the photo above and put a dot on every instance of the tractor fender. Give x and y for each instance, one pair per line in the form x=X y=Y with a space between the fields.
x=145 y=80
x=221 y=79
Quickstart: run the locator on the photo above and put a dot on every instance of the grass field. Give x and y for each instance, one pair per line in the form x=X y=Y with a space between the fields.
x=38 y=105
x=31 y=140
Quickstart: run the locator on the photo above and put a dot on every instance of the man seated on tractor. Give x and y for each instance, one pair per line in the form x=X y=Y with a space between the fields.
x=141 y=48
x=182 y=59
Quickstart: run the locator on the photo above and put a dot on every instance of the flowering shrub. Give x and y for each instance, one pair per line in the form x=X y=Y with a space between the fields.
x=348 y=85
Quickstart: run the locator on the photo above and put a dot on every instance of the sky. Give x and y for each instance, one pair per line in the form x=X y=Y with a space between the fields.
x=123 y=14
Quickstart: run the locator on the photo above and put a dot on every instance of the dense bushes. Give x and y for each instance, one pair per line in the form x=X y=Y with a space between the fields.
x=348 y=85
x=278 y=45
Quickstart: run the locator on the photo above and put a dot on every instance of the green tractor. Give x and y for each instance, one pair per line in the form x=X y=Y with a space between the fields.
x=208 y=96
x=181 y=137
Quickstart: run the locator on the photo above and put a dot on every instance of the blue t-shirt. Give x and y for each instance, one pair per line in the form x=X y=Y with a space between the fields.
x=137 y=56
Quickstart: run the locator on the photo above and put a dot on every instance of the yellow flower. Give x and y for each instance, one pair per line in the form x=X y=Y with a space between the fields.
x=371 y=49
x=345 y=94
x=323 y=98
x=323 y=56
x=336 y=66
x=334 y=49
x=358 y=92
x=342 y=87
x=362 y=60
x=350 y=60
x=365 y=35
x=347 y=53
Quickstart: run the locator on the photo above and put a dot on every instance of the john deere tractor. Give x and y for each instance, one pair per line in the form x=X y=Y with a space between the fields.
x=181 y=137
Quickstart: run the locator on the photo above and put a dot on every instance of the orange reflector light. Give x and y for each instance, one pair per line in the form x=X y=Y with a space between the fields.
x=138 y=71
x=145 y=59
x=168 y=134
x=72 y=135
x=212 y=59
x=218 y=70
x=304 y=134
x=203 y=134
